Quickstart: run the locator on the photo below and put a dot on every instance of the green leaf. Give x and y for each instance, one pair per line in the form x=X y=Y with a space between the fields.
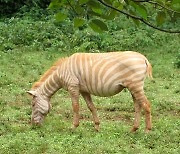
x=101 y=24
x=108 y=2
x=140 y=9
x=160 y=18
x=118 y=5
x=98 y=25
x=79 y=9
x=78 y=22
x=137 y=22
x=95 y=27
x=175 y=4
x=97 y=10
x=81 y=2
x=111 y=15
x=93 y=4
x=60 y=16
x=55 y=4
x=95 y=7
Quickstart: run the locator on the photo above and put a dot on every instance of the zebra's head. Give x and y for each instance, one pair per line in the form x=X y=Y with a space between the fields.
x=40 y=107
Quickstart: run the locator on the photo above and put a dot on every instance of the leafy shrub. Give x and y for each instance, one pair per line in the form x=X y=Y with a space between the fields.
x=9 y=7
x=38 y=30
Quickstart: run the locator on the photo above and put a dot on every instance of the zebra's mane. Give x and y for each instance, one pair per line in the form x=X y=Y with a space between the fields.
x=48 y=73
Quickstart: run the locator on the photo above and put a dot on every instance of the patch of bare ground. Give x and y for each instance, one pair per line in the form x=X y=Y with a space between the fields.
x=104 y=114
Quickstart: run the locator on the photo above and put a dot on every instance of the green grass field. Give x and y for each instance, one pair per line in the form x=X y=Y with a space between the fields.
x=28 y=48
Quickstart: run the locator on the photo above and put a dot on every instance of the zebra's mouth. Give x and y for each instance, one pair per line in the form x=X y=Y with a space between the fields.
x=37 y=120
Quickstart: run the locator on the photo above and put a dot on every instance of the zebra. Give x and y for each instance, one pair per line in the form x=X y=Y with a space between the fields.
x=99 y=74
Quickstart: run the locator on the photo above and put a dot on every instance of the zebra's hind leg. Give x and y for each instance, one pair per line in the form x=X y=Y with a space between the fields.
x=87 y=98
x=147 y=108
x=140 y=101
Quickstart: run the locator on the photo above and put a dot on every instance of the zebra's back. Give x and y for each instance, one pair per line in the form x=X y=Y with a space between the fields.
x=106 y=74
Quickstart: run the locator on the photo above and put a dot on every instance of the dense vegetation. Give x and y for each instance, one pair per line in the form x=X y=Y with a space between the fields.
x=31 y=41
x=154 y=13
x=9 y=7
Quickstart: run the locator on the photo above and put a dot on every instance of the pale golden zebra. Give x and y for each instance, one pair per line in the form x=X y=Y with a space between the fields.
x=100 y=74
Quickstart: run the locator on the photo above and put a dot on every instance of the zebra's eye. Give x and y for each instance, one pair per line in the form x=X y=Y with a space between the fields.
x=33 y=103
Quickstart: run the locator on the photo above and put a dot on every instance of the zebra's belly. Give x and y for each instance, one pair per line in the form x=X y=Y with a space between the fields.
x=103 y=91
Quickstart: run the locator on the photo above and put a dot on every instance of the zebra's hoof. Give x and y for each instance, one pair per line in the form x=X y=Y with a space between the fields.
x=97 y=128
x=134 y=129
x=147 y=130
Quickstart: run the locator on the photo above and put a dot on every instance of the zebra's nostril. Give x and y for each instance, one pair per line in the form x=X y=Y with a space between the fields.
x=36 y=122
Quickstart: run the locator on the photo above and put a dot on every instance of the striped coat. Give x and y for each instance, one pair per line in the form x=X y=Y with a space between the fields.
x=100 y=74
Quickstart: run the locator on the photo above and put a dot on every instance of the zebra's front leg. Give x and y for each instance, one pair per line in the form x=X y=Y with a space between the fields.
x=88 y=99
x=74 y=93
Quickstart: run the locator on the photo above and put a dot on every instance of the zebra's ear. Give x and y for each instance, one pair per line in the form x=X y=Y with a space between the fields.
x=32 y=93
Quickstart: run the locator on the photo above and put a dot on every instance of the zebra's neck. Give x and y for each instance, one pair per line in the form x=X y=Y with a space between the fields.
x=50 y=85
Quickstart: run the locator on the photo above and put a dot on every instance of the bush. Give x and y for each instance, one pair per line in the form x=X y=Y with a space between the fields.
x=38 y=30
x=8 y=7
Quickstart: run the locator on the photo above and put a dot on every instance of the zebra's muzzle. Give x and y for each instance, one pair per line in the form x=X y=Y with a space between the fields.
x=37 y=120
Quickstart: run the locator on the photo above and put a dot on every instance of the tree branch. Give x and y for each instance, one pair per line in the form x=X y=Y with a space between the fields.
x=137 y=18
x=158 y=4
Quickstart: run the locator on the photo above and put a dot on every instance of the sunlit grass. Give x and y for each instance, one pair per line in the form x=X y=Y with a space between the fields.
x=116 y=114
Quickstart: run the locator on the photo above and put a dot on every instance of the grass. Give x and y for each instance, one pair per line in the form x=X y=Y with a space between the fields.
x=23 y=60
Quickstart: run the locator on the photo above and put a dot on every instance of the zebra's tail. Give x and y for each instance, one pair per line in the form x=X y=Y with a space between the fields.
x=149 y=69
